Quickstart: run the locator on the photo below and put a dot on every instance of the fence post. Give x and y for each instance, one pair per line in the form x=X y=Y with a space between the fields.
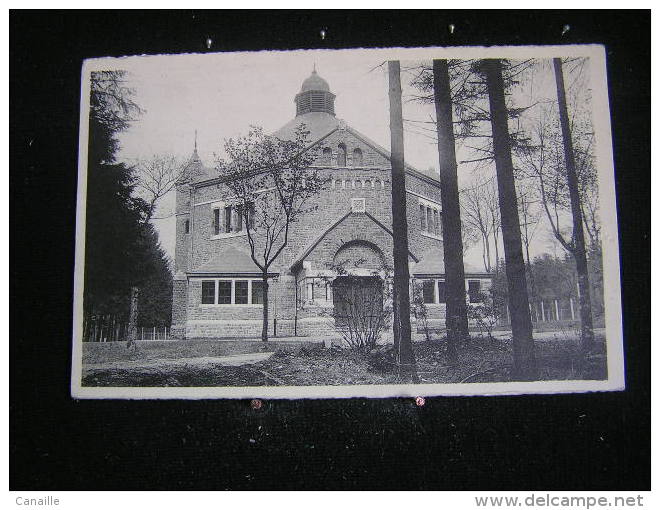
x=542 y=312
x=557 y=310
x=154 y=338
x=142 y=332
x=572 y=311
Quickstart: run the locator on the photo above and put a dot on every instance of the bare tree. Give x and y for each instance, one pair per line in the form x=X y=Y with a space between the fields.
x=480 y=213
x=561 y=161
x=155 y=178
x=271 y=183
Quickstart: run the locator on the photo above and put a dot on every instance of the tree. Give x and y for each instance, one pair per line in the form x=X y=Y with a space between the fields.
x=524 y=362
x=560 y=159
x=401 y=293
x=113 y=214
x=272 y=184
x=577 y=245
x=155 y=178
x=123 y=258
x=456 y=316
x=481 y=214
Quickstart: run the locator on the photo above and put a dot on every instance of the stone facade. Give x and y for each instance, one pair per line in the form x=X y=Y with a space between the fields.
x=352 y=218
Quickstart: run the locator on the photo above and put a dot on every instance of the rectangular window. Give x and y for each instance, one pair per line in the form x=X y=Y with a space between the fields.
x=216 y=221
x=208 y=292
x=436 y=223
x=428 y=291
x=422 y=216
x=474 y=291
x=224 y=293
x=239 y=219
x=257 y=292
x=228 y=218
x=429 y=221
x=187 y=226
x=442 y=292
x=241 y=291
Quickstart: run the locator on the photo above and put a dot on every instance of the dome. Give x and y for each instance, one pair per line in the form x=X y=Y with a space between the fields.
x=315 y=96
x=315 y=82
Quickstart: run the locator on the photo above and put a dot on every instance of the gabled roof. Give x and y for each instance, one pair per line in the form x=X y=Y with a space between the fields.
x=229 y=260
x=320 y=125
x=314 y=243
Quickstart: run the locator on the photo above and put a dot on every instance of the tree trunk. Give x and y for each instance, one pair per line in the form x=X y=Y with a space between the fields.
x=132 y=318
x=264 y=326
x=579 y=249
x=524 y=361
x=456 y=315
x=401 y=301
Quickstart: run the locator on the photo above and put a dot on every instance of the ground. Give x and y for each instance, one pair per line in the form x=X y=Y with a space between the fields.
x=241 y=363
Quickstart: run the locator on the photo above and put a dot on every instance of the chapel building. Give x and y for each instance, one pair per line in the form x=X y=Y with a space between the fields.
x=217 y=287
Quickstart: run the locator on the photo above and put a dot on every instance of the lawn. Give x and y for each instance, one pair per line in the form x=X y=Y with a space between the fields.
x=300 y=365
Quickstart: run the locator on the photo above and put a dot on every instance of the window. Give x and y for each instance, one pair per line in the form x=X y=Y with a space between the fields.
x=474 y=291
x=187 y=226
x=442 y=292
x=239 y=219
x=208 y=292
x=228 y=210
x=216 y=221
x=224 y=292
x=357 y=157
x=429 y=216
x=241 y=292
x=428 y=291
x=229 y=291
x=327 y=156
x=257 y=292
x=341 y=155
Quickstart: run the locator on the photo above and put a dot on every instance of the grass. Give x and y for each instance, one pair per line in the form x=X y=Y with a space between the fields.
x=301 y=365
x=95 y=352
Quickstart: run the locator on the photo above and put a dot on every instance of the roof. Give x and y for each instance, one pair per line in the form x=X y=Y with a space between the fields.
x=228 y=260
x=315 y=82
x=319 y=125
x=331 y=226
x=196 y=171
x=432 y=262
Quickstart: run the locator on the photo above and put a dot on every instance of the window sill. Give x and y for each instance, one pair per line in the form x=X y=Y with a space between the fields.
x=431 y=236
x=205 y=305
x=228 y=235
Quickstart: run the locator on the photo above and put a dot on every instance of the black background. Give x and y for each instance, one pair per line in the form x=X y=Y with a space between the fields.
x=590 y=441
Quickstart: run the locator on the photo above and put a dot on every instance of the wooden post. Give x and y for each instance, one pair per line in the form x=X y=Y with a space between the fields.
x=456 y=308
x=557 y=310
x=542 y=312
x=572 y=309
x=401 y=301
x=132 y=317
x=524 y=361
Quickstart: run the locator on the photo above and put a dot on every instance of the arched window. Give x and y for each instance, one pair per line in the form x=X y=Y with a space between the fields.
x=327 y=156
x=357 y=157
x=341 y=155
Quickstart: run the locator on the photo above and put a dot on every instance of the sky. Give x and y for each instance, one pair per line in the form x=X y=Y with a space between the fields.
x=222 y=95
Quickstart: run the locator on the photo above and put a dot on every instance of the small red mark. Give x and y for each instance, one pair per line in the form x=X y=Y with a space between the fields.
x=420 y=401
x=255 y=403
